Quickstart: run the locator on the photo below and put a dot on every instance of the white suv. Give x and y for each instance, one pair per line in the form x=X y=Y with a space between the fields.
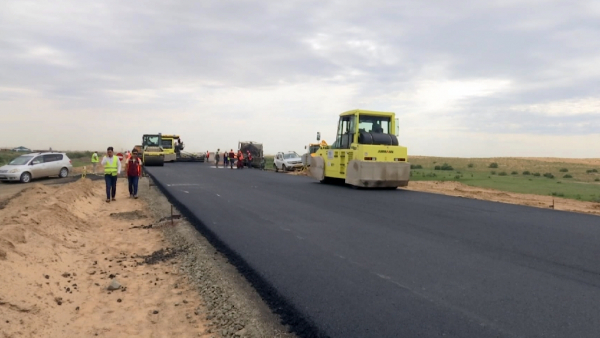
x=36 y=165
x=287 y=161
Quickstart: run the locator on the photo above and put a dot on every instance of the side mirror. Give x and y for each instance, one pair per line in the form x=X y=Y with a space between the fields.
x=305 y=147
x=318 y=136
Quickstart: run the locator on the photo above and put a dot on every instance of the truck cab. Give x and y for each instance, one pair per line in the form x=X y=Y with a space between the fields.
x=365 y=153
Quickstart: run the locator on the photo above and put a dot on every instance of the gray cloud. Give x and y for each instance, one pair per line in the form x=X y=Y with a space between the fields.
x=465 y=67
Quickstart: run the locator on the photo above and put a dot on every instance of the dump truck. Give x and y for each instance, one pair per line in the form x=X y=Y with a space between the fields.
x=255 y=148
x=152 y=150
x=365 y=153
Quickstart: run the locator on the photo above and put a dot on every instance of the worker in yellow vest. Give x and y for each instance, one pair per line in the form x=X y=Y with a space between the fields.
x=95 y=161
x=112 y=168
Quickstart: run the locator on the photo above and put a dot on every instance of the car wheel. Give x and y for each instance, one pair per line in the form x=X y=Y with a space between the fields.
x=276 y=169
x=25 y=177
x=64 y=172
x=284 y=168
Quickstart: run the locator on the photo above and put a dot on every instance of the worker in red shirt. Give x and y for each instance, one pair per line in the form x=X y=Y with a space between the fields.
x=231 y=158
x=248 y=158
x=133 y=168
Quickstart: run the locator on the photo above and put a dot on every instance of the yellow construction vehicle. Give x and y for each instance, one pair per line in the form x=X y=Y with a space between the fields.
x=156 y=149
x=365 y=154
x=169 y=144
x=311 y=150
x=313 y=147
x=152 y=150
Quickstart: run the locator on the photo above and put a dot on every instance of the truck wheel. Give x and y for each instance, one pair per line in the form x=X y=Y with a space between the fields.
x=25 y=177
x=276 y=169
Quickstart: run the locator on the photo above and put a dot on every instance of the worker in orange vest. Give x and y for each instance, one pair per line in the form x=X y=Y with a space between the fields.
x=240 y=163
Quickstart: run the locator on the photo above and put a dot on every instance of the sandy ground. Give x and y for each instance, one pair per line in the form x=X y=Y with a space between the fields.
x=60 y=248
x=462 y=190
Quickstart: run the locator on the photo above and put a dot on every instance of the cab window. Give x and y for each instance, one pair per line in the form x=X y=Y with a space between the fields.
x=346 y=131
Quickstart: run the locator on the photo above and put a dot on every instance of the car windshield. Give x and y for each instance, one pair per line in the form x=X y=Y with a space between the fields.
x=290 y=155
x=21 y=160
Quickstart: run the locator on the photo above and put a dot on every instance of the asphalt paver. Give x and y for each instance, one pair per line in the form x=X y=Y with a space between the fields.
x=340 y=262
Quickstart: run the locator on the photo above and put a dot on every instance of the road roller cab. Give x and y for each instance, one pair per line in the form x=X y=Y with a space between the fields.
x=366 y=152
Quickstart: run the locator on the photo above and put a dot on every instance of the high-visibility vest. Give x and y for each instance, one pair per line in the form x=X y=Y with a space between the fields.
x=95 y=158
x=111 y=168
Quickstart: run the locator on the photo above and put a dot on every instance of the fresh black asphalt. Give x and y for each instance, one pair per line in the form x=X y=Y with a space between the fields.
x=339 y=262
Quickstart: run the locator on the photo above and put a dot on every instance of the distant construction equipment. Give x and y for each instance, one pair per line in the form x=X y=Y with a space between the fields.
x=156 y=149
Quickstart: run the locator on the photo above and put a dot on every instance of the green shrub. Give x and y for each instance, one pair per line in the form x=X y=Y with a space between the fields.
x=559 y=194
x=416 y=166
x=457 y=177
x=597 y=180
x=430 y=175
x=564 y=170
x=470 y=165
x=437 y=167
x=589 y=171
x=514 y=173
x=446 y=166
x=502 y=173
x=567 y=176
x=526 y=172
x=493 y=165
x=536 y=174
x=493 y=172
x=548 y=175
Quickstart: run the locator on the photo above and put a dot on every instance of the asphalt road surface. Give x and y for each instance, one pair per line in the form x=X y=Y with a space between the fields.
x=340 y=262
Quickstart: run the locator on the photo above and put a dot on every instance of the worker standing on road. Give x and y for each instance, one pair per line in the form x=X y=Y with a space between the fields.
x=263 y=162
x=249 y=159
x=133 y=168
x=225 y=159
x=240 y=162
x=231 y=158
x=112 y=168
x=207 y=156
x=95 y=161
x=217 y=157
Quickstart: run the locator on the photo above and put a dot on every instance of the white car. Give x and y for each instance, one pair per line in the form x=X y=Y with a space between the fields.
x=287 y=161
x=36 y=165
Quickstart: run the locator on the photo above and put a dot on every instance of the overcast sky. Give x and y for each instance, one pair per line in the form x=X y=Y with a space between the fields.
x=466 y=78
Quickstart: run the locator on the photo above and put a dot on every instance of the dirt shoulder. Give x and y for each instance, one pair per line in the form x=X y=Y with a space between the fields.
x=60 y=249
x=463 y=190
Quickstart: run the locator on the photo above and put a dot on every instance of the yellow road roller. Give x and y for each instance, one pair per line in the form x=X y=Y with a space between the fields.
x=365 y=154
x=153 y=153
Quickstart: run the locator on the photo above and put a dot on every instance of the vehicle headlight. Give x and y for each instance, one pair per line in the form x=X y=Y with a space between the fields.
x=14 y=171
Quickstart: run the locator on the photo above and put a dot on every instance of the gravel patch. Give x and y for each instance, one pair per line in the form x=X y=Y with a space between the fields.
x=231 y=305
